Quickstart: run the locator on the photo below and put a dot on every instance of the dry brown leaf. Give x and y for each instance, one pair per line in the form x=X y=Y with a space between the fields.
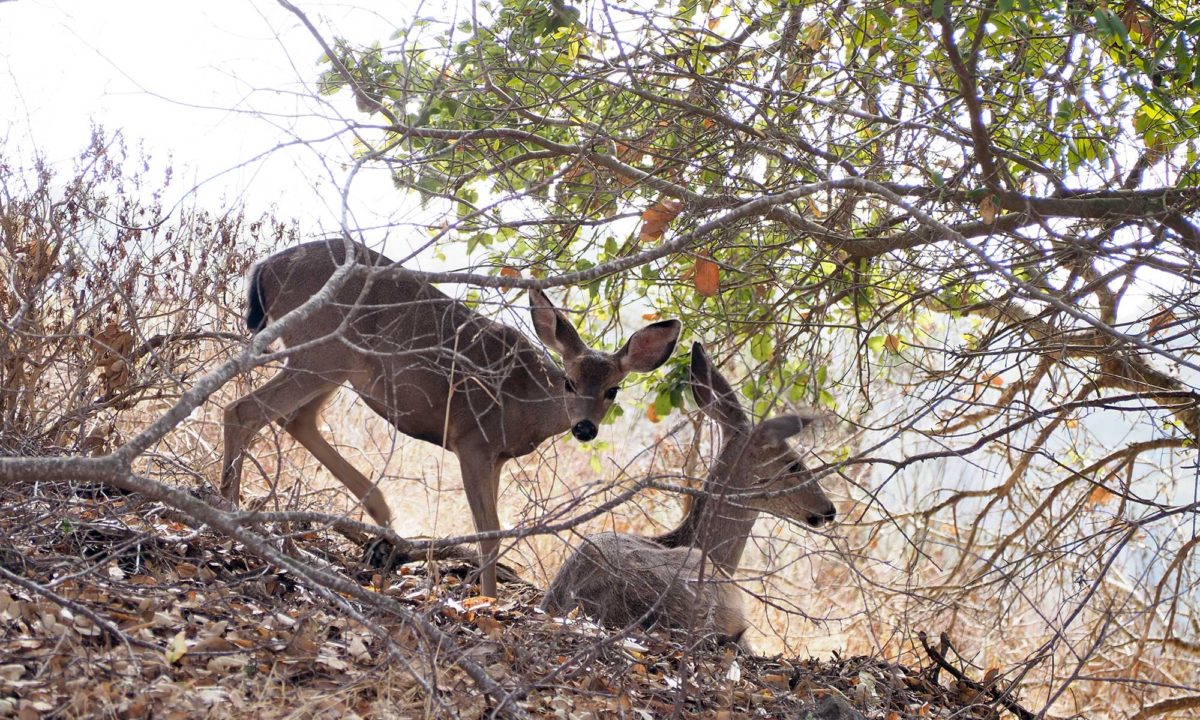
x=652 y=414
x=358 y=650
x=113 y=344
x=656 y=218
x=1100 y=495
x=892 y=342
x=328 y=656
x=1164 y=318
x=987 y=210
x=509 y=272
x=652 y=317
x=707 y=275
x=490 y=626
x=1138 y=28
x=814 y=209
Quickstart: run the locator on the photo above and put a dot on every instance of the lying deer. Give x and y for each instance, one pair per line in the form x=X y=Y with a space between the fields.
x=683 y=579
x=434 y=368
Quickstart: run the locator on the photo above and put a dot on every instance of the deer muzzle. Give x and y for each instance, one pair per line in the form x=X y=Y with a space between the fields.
x=584 y=430
x=825 y=516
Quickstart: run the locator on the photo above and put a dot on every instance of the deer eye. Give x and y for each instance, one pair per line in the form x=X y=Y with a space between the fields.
x=570 y=386
x=611 y=394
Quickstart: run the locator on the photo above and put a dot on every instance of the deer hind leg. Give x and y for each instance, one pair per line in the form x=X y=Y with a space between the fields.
x=302 y=425
x=281 y=396
x=481 y=480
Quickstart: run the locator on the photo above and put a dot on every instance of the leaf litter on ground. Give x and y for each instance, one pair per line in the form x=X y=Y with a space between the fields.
x=205 y=629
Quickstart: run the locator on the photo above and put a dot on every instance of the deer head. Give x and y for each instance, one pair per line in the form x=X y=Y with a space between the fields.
x=593 y=377
x=757 y=458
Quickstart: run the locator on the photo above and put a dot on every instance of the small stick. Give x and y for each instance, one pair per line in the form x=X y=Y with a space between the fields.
x=1001 y=697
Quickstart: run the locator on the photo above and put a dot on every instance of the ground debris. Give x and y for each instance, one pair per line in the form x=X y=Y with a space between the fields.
x=109 y=609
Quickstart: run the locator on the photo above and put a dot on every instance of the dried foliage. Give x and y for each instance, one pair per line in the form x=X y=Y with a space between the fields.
x=110 y=608
x=109 y=301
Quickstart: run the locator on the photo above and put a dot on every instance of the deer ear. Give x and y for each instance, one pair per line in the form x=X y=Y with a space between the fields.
x=777 y=430
x=713 y=393
x=552 y=328
x=649 y=347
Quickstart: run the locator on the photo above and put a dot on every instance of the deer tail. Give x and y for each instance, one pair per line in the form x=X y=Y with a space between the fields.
x=256 y=304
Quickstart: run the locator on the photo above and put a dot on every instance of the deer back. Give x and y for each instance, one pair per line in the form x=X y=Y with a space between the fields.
x=437 y=369
x=403 y=344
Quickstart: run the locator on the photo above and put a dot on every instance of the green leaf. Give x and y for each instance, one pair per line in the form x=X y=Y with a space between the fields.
x=663 y=404
x=761 y=346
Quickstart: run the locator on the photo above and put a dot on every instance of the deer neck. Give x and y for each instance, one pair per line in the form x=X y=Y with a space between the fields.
x=548 y=407
x=713 y=524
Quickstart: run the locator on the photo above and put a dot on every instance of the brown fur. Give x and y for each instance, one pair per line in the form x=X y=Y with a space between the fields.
x=620 y=580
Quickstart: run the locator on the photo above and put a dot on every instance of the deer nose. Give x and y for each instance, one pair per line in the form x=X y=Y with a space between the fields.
x=584 y=430
x=823 y=517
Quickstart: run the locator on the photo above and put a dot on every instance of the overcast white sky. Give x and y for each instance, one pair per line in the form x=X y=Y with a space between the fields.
x=214 y=84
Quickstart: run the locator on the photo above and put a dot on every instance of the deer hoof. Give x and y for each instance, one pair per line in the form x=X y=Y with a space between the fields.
x=382 y=554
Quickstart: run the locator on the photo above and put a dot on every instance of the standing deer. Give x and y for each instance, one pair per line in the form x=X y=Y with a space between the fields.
x=434 y=368
x=683 y=579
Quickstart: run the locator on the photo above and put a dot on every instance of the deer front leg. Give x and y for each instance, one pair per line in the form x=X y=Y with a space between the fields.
x=481 y=480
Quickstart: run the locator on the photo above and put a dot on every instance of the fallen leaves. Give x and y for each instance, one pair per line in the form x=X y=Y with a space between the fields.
x=177 y=648
x=217 y=632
